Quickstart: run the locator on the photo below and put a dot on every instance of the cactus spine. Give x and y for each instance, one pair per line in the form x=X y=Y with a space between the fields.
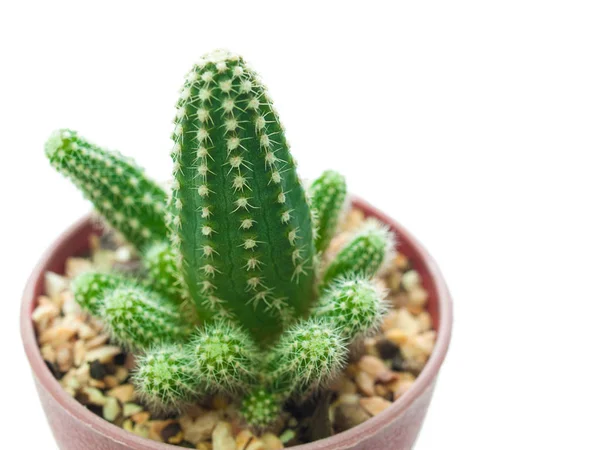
x=328 y=197
x=240 y=219
x=119 y=190
x=366 y=253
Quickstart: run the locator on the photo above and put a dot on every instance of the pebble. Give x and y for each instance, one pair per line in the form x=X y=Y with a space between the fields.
x=129 y=409
x=365 y=383
x=44 y=314
x=271 y=442
x=348 y=415
x=57 y=335
x=201 y=428
x=103 y=354
x=94 y=396
x=417 y=297
x=374 y=405
x=64 y=358
x=111 y=409
x=222 y=437
x=124 y=393
x=411 y=280
x=54 y=285
x=77 y=266
x=376 y=368
x=245 y=440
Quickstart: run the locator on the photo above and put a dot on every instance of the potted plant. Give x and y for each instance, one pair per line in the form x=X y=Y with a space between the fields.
x=242 y=316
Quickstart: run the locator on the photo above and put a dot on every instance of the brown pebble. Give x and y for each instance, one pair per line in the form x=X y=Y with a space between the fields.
x=172 y=433
x=374 y=405
x=124 y=393
x=141 y=417
x=111 y=381
x=156 y=428
x=397 y=336
x=365 y=383
x=401 y=388
x=201 y=428
x=204 y=446
x=103 y=354
x=57 y=335
x=376 y=368
x=348 y=415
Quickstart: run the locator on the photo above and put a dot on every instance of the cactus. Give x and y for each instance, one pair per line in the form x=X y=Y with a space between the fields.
x=90 y=289
x=308 y=355
x=261 y=408
x=355 y=305
x=368 y=252
x=240 y=219
x=139 y=319
x=119 y=190
x=225 y=358
x=159 y=262
x=235 y=255
x=165 y=378
x=328 y=198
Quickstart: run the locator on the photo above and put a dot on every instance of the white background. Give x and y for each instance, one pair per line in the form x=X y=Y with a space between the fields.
x=474 y=123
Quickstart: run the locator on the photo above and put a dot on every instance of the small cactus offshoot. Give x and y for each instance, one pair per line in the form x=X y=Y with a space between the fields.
x=328 y=198
x=234 y=297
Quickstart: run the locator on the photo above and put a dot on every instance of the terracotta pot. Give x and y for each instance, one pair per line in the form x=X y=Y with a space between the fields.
x=396 y=428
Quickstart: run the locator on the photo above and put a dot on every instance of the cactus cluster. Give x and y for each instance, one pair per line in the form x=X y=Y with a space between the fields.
x=235 y=297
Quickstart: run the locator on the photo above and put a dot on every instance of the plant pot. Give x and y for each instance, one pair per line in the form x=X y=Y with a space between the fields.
x=396 y=428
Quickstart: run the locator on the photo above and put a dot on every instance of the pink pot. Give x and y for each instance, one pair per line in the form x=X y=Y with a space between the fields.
x=76 y=428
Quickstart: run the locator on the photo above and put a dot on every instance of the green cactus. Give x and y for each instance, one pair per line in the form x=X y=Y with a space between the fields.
x=328 y=198
x=139 y=319
x=225 y=358
x=90 y=288
x=240 y=218
x=235 y=254
x=365 y=255
x=355 y=305
x=163 y=276
x=260 y=408
x=119 y=190
x=165 y=378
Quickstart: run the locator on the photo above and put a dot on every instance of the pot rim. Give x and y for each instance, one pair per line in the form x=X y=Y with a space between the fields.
x=353 y=436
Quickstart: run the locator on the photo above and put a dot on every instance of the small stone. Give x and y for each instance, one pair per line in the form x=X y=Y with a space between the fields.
x=172 y=433
x=245 y=440
x=204 y=446
x=43 y=315
x=97 y=370
x=48 y=353
x=124 y=393
x=411 y=280
x=402 y=388
x=386 y=349
x=406 y=322
x=97 y=341
x=376 y=368
x=141 y=417
x=129 y=409
x=77 y=266
x=111 y=381
x=103 y=354
x=365 y=383
x=64 y=358
x=156 y=428
x=121 y=373
x=111 y=409
x=397 y=336
x=425 y=322
x=401 y=261
x=201 y=428
x=348 y=415
x=94 y=396
x=222 y=437
x=78 y=353
x=417 y=297
x=374 y=405
x=57 y=335
x=271 y=442
x=395 y=280
x=54 y=285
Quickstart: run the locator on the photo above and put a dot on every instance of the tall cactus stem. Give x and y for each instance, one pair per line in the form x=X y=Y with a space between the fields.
x=240 y=220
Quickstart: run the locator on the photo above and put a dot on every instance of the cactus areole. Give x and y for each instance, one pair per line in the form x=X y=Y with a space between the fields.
x=235 y=297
